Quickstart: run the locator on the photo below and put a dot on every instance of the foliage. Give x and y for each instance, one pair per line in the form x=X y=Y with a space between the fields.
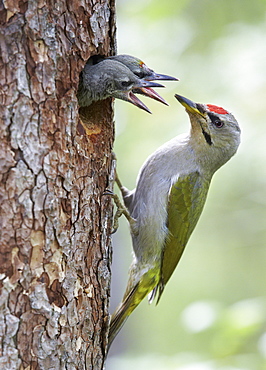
x=212 y=313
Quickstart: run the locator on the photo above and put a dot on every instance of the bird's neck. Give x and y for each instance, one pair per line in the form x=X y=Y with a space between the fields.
x=206 y=155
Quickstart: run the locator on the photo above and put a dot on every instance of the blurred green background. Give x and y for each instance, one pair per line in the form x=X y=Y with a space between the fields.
x=212 y=314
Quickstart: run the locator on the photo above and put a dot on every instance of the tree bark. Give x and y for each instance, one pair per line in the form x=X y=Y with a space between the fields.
x=55 y=163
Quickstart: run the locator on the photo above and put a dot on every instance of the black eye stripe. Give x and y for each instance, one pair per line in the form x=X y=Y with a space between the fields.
x=200 y=108
x=215 y=120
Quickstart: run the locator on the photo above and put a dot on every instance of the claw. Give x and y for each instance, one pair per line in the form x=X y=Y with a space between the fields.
x=108 y=192
x=121 y=210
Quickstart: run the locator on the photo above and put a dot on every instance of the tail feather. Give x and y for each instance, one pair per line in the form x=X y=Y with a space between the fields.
x=128 y=305
x=156 y=292
x=131 y=300
x=121 y=314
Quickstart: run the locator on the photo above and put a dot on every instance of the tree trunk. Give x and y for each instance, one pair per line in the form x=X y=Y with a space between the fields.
x=54 y=167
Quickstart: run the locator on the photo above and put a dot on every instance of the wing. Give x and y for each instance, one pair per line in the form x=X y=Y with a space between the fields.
x=186 y=200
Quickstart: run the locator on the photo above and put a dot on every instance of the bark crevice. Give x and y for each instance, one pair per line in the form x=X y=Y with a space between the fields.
x=55 y=225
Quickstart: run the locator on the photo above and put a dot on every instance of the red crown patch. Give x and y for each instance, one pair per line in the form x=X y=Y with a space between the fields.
x=215 y=109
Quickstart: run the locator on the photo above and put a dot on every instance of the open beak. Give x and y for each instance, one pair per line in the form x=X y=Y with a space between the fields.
x=189 y=105
x=143 y=87
x=148 y=91
x=156 y=76
x=131 y=98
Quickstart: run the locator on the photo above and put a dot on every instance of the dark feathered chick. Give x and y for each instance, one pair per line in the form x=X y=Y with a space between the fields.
x=141 y=70
x=110 y=78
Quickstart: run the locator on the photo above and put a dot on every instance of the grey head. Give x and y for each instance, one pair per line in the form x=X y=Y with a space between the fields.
x=109 y=78
x=215 y=133
x=141 y=70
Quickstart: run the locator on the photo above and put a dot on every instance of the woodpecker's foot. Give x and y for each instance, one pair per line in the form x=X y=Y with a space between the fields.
x=121 y=210
x=124 y=191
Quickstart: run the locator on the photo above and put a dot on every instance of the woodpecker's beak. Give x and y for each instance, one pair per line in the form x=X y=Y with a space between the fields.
x=142 y=86
x=147 y=91
x=156 y=76
x=145 y=83
x=189 y=105
x=131 y=98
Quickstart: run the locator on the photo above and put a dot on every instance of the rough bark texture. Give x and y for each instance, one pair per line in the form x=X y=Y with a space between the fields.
x=55 y=222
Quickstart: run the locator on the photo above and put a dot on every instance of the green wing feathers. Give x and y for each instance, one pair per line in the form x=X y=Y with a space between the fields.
x=186 y=200
x=185 y=203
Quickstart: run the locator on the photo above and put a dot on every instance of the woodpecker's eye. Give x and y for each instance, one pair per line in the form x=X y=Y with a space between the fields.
x=216 y=120
x=126 y=83
x=218 y=123
x=139 y=74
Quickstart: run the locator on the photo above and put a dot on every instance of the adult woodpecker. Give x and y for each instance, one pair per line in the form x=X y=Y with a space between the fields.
x=141 y=70
x=166 y=204
x=109 y=78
